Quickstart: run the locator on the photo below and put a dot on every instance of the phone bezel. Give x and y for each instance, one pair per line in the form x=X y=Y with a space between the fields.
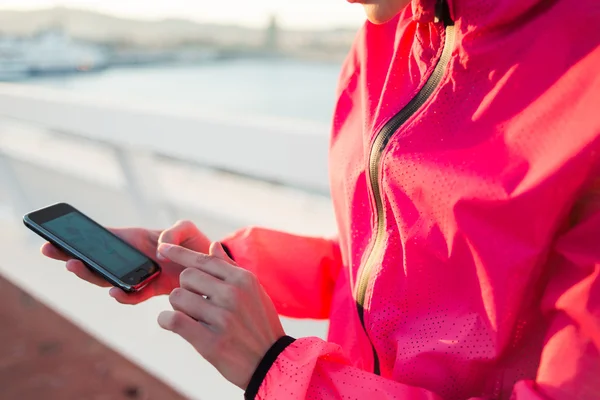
x=131 y=282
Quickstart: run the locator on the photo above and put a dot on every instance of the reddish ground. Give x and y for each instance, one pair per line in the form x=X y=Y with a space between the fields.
x=43 y=356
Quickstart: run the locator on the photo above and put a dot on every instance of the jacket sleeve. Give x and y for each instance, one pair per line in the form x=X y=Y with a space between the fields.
x=570 y=361
x=298 y=272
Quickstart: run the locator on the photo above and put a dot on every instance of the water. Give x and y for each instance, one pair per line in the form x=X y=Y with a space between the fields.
x=282 y=88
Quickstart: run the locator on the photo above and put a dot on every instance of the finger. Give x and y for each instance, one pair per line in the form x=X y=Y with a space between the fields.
x=179 y=232
x=195 y=306
x=130 y=298
x=145 y=240
x=201 y=283
x=190 y=330
x=217 y=250
x=183 y=233
x=83 y=272
x=238 y=277
x=191 y=259
x=51 y=251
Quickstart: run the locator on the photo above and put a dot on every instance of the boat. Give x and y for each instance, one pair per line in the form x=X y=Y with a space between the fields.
x=48 y=53
x=55 y=52
x=13 y=70
x=13 y=65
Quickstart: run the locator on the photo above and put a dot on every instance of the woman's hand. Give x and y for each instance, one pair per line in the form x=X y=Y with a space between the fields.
x=221 y=310
x=183 y=233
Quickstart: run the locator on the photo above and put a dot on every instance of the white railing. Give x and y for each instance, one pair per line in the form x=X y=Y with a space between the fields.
x=111 y=145
x=289 y=152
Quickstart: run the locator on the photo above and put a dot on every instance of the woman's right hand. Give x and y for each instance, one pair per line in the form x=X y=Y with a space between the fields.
x=183 y=233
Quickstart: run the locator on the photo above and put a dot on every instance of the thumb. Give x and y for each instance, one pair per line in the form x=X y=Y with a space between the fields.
x=217 y=250
x=185 y=234
x=179 y=233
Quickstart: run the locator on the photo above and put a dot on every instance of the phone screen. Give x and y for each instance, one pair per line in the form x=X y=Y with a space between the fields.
x=96 y=243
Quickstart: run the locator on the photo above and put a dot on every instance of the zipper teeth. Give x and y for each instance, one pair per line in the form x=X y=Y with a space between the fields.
x=388 y=131
x=379 y=144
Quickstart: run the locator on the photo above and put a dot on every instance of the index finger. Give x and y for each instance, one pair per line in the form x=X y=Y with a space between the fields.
x=191 y=259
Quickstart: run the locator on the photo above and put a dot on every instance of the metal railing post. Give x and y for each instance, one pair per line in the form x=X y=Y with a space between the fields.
x=139 y=170
x=19 y=201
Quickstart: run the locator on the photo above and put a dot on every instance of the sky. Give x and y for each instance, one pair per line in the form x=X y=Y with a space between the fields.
x=304 y=14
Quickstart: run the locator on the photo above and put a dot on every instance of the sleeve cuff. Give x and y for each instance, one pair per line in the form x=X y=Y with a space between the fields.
x=227 y=251
x=265 y=365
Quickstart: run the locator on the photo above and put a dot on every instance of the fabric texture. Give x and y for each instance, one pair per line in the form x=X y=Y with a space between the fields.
x=265 y=366
x=488 y=285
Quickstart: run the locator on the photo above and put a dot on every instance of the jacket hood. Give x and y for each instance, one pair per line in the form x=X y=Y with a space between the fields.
x=478 y=14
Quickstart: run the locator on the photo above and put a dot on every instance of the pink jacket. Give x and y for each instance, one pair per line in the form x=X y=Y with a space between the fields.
x=465 y=173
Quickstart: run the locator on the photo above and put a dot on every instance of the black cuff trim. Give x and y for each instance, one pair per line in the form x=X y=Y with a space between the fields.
x=265 y=365
x=227 y=251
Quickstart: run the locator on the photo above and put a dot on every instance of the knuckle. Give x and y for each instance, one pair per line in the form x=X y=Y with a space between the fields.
x=201 y=259
x=224 y=320
x=176 y=322
x=230 y=297
x=187 y=276
x=243 y=278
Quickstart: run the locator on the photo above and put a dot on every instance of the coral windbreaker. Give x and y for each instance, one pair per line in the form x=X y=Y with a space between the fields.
x=465 y=173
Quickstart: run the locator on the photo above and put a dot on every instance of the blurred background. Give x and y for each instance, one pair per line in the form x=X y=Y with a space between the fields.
x=141 y=113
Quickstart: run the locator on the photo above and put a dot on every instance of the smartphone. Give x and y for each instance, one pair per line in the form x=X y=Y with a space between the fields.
x=100 y=250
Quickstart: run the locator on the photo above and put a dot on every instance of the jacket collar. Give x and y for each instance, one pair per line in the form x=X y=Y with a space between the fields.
x=476 y=14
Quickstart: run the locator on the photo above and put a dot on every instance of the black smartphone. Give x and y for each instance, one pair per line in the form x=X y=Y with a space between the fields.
x=100 y=250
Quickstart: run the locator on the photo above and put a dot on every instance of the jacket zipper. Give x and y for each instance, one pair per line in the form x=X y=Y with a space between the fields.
x=377 y=149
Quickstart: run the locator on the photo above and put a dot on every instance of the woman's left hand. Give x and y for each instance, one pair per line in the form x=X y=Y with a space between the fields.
x=221 y=310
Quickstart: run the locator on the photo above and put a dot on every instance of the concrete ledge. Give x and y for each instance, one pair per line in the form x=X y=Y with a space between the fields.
x=44 y=356
x=287 y=151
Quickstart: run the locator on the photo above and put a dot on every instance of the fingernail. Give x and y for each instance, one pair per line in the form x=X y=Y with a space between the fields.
x=113 y=292
x=160 y=256
x=163 y=250
x=221 y=250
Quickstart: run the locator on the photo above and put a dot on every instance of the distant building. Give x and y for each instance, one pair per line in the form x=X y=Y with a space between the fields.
x=272 y=34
